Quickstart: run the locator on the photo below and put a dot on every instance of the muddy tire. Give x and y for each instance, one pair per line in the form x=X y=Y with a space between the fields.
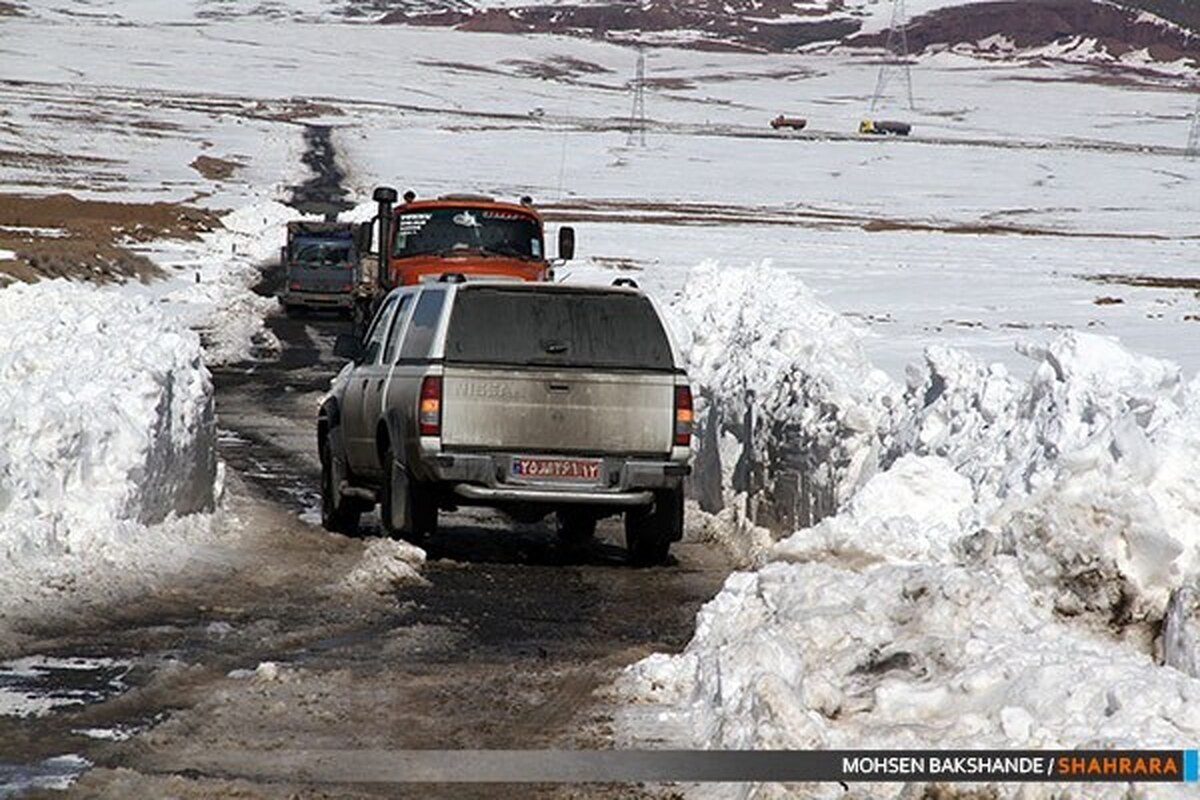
x=408 y=509
x=338 y=514
x=576 y=528
x=650 y=531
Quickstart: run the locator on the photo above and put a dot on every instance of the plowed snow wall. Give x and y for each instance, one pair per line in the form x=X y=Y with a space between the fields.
x=788 y=407
x=106 y=415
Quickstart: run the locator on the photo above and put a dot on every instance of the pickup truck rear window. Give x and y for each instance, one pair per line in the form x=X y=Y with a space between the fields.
x=558 y=328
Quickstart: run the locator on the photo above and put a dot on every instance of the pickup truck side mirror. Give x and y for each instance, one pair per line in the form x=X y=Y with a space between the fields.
x=349 y=347
x=566 y=243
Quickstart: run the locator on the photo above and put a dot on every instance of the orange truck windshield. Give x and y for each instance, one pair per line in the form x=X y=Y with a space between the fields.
x=436 y=231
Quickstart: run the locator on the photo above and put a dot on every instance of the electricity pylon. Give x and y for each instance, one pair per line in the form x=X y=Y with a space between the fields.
x=637 y=117
x=897 y=45
x=1193 y=145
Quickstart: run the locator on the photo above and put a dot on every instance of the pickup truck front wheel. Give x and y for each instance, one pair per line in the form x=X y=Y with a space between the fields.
x=650 y=531
x=407 y=509
x=338 y=514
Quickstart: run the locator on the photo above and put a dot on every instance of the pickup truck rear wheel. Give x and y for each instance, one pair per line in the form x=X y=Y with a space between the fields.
x=408 y=509
x=338 y=514
x=650 y=531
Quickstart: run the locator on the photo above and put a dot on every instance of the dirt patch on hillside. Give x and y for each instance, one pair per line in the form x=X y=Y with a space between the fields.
x=23 y=158
x=555 y=68
x=1145 y=281
x=215 y=169
x=11 y=10
x=61 y=236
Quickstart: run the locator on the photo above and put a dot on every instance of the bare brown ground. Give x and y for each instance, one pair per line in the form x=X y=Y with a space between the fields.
x=659 y=213
x=62 y=236
x=1145 y=281
x=215 y=169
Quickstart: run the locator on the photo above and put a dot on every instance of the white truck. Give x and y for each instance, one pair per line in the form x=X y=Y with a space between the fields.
x=532 y=398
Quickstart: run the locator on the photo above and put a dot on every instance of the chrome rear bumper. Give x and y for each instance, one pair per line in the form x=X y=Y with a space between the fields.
x=522 y=494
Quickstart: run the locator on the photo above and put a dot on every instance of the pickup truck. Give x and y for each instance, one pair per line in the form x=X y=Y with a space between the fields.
x=531 y=398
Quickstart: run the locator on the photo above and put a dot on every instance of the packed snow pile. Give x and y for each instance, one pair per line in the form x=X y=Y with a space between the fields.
x=385 y=564
x=788 y=406
x=1014 y=562
x=106 y=423
x=1089 y=471
x=909 y=513
x=820 y=655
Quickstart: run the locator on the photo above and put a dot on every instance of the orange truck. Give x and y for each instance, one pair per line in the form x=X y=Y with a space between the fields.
x=467 y=234
x=455 y=237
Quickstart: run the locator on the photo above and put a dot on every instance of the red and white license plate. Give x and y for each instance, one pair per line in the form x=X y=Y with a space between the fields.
x=536 y=468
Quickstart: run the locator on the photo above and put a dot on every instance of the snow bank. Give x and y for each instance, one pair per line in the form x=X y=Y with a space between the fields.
x=1090 y=470
x=106 y=427
x=788 y=405
x=897 y=656
x=909 y=513
x=995 y=576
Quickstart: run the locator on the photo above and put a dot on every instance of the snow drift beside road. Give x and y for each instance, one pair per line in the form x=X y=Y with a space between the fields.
x=106 y=427
x=757 y=340
x=1089 y=472
x=998 y=570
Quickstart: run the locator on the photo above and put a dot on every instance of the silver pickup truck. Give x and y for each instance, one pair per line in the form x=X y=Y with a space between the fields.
x=532 y=398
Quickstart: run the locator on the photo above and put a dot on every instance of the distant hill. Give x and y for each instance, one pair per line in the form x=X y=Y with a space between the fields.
x=1185 y=13
x=1079 y=30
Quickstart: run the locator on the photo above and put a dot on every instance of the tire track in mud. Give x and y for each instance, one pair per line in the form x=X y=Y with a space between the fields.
x=324 y=193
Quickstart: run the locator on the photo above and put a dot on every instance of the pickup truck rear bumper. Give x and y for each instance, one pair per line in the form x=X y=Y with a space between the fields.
x=485 y=479
x=525 y=494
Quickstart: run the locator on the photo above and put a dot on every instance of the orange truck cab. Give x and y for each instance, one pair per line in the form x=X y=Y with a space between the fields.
x=469 y=235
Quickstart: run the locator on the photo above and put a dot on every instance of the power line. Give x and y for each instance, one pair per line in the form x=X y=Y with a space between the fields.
x=637 y=117
x=897 y=45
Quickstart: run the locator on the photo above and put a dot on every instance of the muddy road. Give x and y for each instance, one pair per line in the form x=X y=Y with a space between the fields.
x=288 y=638
x=265 y=647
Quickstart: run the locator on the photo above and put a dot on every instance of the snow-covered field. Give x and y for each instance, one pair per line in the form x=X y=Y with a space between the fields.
x=1023 y=179
x=1007 y=538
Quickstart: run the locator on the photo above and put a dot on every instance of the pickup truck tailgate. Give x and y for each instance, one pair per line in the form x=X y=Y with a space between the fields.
x=569 y=411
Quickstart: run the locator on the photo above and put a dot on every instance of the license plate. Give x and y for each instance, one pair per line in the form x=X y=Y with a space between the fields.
x=576 y=470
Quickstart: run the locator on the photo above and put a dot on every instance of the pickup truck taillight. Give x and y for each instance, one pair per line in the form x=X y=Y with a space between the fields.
x=683 y=416
x=429 y=413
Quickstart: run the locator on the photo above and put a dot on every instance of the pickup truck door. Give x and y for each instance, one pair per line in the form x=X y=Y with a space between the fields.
x=376 y=384
x=357 y=420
